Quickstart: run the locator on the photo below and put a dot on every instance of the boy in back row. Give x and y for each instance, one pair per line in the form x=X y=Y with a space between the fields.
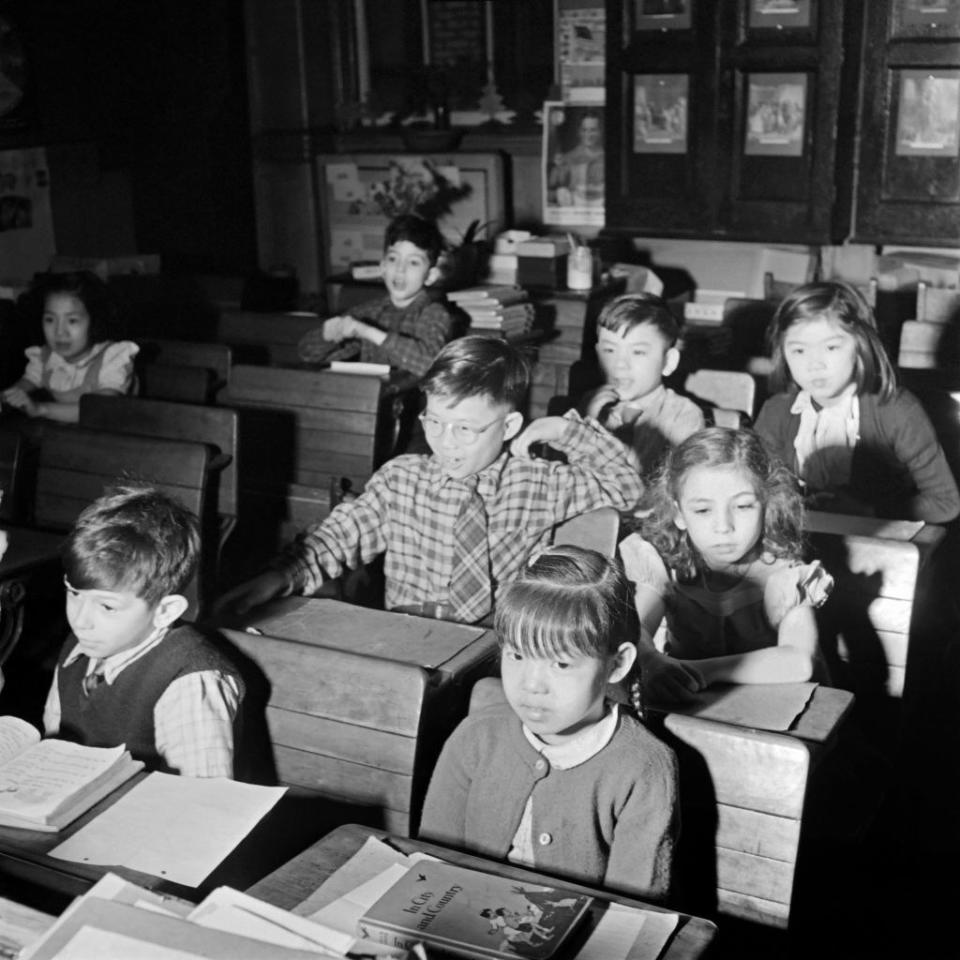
x=637 y=347
x=407 y=327
x=456 y=524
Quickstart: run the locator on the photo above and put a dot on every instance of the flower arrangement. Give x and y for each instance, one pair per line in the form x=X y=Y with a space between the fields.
x=412 y=185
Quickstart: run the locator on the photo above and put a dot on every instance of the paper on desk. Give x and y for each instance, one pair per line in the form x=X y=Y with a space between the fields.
x=88 y=942
x=765 y=706
x=351 y=366
x=179 y=828
x=228 y=909
x=628 y=933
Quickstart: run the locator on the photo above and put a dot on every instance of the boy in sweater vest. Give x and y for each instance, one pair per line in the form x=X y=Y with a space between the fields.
x=127 y=673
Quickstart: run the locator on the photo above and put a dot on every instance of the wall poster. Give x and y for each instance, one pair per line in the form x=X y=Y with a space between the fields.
x=581 y=57
x=776 y=114
x=663 y=14
x=779 y=14
x=928 y=119
x=573 y=164
x=660 y=108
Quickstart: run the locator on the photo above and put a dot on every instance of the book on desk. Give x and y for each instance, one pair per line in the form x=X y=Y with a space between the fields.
x=474 y=914
x=46 y=784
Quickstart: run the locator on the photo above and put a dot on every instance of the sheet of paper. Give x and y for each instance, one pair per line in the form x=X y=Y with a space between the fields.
x=765 y=706
x=356 y=367
x=229 y=909
x=344 y=913
x=614 y=934
x=107 y=945
x=179 y=828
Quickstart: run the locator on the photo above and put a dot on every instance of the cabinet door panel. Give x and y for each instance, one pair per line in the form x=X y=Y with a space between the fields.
x=909 y=185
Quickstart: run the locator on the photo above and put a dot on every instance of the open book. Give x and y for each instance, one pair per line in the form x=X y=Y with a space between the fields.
x=45 y=784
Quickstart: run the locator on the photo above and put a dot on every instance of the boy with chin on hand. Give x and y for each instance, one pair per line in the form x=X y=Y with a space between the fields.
x=407 y=327
x=637 y=347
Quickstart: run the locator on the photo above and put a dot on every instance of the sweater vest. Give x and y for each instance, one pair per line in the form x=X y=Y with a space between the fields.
x=122 y=712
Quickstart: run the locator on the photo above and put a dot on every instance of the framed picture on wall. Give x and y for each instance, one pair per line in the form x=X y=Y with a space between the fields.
x=361 y=192
x=779 y=14
x=662 y=14
x=926 y=18
x=928 y=113
x=776 y=114
x=660 y=109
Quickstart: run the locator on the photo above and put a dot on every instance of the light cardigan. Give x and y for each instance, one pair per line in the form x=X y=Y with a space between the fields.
x=611 y=821
x=898 y=467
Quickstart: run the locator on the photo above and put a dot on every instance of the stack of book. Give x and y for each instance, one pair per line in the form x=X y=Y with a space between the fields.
x=506 y=310
x=542 y=261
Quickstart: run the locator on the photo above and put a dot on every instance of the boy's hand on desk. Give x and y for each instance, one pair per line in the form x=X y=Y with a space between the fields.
x=240 y=600
x=545 y=430
x=334 y=328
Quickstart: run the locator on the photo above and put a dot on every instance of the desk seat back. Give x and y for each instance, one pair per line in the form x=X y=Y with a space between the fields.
x=357 y=706
x=724 y=389
x=867 y=621
x=264 y=338
x=217 y=357
x=169 y=381
x=595 y=530
x=76 y=465
x=10 y=475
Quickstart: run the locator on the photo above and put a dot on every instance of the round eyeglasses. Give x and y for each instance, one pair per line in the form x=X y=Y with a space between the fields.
x=463 y=433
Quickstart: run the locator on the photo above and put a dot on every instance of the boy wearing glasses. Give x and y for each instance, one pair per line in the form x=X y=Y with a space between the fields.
x=455 y=525
x=128 y=673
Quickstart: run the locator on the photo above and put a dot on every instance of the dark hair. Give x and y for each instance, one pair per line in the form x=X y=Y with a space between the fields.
x=844 y=305
x=422 y=233
x=134 y=538
x=567 y=600
x=630 y=310
x=775 y=486
x=88 y=288
x=479 y=366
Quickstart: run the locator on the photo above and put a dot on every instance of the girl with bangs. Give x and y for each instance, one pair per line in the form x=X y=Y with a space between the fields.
x=719 y=556
x=858 y=443
x=560 y=777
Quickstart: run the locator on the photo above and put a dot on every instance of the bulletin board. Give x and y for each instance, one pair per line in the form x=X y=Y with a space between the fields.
x=353 y=222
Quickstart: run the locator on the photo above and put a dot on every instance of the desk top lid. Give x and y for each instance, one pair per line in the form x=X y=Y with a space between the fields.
x=372 y=633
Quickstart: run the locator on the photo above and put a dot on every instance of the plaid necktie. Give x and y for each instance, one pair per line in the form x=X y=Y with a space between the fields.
x=93 y=680
x=470 y=586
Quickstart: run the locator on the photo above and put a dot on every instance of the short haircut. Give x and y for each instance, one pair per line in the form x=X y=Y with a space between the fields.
x=479 y=366
x=622 y=314
x=422 y=233
x=568 y=600
x=134 y=539
x=774 y=484
x=844 y=305
x=88 y=288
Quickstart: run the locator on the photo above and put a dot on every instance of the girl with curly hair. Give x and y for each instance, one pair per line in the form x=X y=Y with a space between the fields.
x=719 y=556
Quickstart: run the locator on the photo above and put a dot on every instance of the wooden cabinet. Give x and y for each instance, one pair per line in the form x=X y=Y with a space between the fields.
x=909 y=183
x=734 y=120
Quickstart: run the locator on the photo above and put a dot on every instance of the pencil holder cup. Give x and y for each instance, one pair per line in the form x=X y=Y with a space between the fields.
x=580 y=269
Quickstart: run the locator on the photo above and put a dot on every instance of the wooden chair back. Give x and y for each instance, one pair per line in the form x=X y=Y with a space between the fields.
x=265 y=338
x=217 y=357
x=75 y=466
x=168 y=381
x=10 y=475
x=596 y=530
x=725 y=389
x=865 y=627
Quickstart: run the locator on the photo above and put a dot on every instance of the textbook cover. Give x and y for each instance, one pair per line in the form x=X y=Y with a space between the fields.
x=473 y=914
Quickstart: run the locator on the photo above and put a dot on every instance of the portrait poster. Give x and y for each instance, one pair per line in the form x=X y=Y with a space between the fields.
x=26 y=220
x=776 y=114
x=663 y=14
x=928 y=119
x=660 y=108
x=573 y=164
x=581 y=55
x=779 y=14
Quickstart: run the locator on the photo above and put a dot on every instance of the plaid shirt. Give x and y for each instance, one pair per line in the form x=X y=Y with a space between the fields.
x=409 y=508
x=193 y=719
x=415 y=333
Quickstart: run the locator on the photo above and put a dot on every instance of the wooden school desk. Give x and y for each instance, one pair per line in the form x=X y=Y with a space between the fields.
x=295 y=881
x=359 y=701
x=743 y=793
